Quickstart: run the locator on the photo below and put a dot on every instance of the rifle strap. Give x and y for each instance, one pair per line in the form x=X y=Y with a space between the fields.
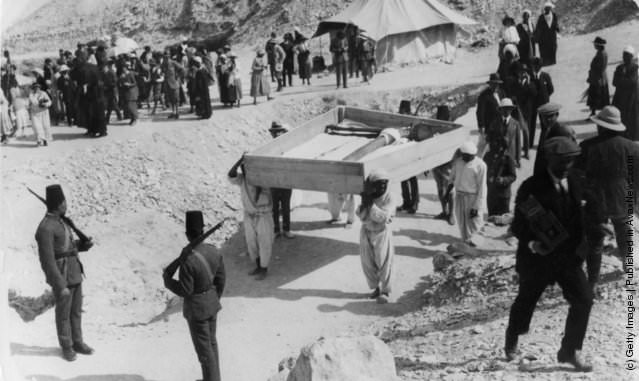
x=207 y=266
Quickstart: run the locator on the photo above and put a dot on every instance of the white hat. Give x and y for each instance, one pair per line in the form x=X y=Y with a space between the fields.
x=609 y=117
x=63 y=68
x=629 y=49
x=468 y=148
x=506 y=102
x=197 y=59
x=549 y=5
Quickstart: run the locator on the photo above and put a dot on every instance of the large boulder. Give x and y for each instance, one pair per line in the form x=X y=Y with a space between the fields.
x=363 y=358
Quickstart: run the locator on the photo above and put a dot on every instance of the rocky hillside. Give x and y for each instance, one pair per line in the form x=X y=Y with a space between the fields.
x=64 y=22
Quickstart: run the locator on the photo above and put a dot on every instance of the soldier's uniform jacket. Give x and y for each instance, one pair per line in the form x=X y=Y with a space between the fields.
x=201 y=293
x=58 y=253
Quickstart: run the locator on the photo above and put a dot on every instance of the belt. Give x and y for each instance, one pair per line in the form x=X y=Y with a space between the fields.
x=66 y=254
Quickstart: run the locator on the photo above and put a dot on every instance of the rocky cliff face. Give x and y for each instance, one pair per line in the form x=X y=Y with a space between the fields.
x=62 y=23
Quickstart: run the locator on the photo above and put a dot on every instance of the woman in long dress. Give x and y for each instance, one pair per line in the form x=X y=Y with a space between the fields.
x=304 y=60
x=235 y=83
x=6 y=127
x=598 y=92
x=260 y=85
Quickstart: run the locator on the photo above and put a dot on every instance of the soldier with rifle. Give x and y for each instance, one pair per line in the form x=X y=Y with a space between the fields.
x=58 y=252
x=201 y=283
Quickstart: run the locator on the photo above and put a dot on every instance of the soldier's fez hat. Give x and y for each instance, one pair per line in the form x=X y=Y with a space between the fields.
x=194 y=222
x=561 y=146
x=54 y=195
x=276 y=127
x=494 y=78
x=599 y=41
x=404 y=107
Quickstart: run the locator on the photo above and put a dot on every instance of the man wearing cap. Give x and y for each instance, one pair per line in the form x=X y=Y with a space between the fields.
x=258 y=220
x=555 y=129
x=540 y=264
x=375 y=240
x=281 y=196
x=58 y=253
x=201 y=284
x=626 y=97
x=604 y=161
x=488 y=108
x=544 y=88
x=546 y=35
x=469 y=181
x=548 y=116
x=506 y=127
x=598 y=93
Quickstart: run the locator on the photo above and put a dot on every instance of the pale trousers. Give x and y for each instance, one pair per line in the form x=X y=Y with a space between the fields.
x=258 y=231
x=376 y=252
x=338 y=202
x=468 y=227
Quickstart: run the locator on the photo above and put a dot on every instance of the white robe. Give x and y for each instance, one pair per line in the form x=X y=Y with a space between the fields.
x=338 y=202
x=258 y=220
x=376 y=248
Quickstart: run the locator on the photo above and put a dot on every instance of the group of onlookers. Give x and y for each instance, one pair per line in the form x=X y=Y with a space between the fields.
x=353 y=52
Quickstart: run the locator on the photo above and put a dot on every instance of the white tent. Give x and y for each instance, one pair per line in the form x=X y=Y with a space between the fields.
x=405 y=30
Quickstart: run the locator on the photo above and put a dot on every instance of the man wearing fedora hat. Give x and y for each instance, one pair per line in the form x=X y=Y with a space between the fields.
x=543 y=259
x=603 y=164
x=506 y=127
x=488 y=108
x=58 y=253
x=281 y=196
x=201 y=284
x=626 y=98
x=598 y=93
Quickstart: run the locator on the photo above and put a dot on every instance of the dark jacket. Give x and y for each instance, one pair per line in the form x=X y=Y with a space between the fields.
x=339 y=48
x=546 y=37
x=626 y=98
x=569 y=213
x=487 y=108
x=58 y=253
x=605 y=160
x=500 y=174
x=510 y=131
x=201 y=294
x=129 y=84
x=526 y=46
x=598 y=92
x=544 y=88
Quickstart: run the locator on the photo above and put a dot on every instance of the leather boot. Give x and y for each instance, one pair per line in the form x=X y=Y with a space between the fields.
x=510 y=348
x=575 y=359
x=257 y=269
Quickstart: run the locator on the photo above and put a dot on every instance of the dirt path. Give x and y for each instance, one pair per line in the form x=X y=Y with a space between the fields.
x=315 y=286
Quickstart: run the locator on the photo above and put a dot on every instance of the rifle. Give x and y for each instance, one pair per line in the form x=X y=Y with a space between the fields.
x=83 y=237
x=173 y=266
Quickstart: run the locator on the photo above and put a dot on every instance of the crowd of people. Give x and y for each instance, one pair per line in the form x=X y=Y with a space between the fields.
x=86 y=87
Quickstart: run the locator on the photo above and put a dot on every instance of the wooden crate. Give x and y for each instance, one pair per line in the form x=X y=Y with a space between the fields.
x=272 y=166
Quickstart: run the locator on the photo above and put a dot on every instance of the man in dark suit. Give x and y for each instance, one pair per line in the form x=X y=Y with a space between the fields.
x=58 y=253
x=488 y=109
x=526 y=46
x=545 y=257
x=604 y=160
x=544 y=88
x=201 y=283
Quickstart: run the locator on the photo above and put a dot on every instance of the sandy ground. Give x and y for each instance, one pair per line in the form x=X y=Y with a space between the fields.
x=315 y=286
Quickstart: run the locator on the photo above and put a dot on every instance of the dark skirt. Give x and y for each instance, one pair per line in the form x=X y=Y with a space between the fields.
x=598 y=95
x=224 y=88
